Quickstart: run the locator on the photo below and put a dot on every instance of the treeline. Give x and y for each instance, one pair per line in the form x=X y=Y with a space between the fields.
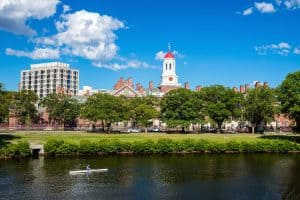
x=178 y=108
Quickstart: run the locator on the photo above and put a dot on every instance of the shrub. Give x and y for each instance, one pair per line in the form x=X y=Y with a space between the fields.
x=234 y=146
x=67 y=148
x=87 y=147
x=18 y=150
x=143 y=146
x=52 y=145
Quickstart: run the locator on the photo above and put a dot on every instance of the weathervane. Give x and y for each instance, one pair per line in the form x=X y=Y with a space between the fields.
x=169 y=46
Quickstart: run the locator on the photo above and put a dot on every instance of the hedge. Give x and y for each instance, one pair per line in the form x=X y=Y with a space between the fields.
x=18 y=150
x=165 y=146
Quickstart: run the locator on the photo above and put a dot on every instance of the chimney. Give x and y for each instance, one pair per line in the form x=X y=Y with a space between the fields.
x=257 y=84
x=186 y=85
x=266 y=84
x=138 y=85
x=235 y=89
x=242 y=89
x=129 y=82
x=151 y=85
x=247 y=86
x=141 y=89
x=198 y=88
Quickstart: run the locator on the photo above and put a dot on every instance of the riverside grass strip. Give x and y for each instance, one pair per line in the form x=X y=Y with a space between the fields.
x=165 y=146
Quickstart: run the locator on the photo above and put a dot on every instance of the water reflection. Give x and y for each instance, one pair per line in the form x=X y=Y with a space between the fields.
x=237 y=176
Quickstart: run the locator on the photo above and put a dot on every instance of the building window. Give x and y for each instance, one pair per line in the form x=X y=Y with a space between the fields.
x=170 y=66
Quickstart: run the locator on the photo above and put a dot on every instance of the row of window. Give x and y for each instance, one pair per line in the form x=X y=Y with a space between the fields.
x=50 y=72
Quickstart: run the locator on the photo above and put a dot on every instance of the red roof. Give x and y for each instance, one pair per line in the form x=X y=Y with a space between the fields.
x=169 y=55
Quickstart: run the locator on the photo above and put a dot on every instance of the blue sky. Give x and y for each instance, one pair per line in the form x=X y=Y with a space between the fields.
x=216 y=42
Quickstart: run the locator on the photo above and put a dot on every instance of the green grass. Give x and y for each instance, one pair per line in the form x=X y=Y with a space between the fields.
x=38 y=137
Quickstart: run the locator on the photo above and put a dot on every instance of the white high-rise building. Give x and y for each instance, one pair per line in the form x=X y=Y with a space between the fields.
x=48 y=78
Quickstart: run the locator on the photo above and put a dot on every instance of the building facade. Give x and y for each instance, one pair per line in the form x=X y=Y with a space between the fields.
x=48 y=78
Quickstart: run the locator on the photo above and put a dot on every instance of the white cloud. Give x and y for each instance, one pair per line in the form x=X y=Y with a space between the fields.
x=160 y=55
x=134 y=63
x=282 y=48
x=38 y=53
x=248 y=11
x=264 y=7
x=292 y=4
x=14 y=14
x=297 y=51
x=86 y=34
x=284 y=45
x=66 y=8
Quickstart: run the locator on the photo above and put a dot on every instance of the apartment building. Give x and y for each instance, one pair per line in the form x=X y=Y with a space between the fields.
x=48 y=78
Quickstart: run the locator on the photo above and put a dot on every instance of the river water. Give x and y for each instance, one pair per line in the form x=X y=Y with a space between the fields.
x=206 y=176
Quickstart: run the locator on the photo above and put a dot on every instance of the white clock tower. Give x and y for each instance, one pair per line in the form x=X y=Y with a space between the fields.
x=169 y=77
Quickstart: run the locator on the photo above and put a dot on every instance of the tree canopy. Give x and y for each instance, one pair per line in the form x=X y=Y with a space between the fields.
x=61 y=108
x=221 y=103
x=105 y=107
x=260 y=106
x=5 y=99
x=142 y=110
x=23 y=106
x=181 y=107
x=289 y=96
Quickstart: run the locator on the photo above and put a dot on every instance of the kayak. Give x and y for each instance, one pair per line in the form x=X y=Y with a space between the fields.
x=87 y=171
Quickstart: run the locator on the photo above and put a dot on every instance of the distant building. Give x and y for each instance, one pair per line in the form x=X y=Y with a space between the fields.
x=88 y=91
x=48 y=78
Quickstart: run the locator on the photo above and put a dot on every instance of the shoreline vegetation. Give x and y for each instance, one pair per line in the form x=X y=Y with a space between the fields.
x=18 y=145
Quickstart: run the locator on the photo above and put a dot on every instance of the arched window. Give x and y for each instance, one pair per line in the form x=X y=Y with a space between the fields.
x=170 y=66
x=166 y=66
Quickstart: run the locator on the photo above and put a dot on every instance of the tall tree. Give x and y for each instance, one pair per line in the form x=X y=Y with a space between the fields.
x=181 y=107
x=221 y=103
x=289 y=96
x=62 y=109
x=142 y=110
x=260 y=106
x=4 y=104
x=23 y=106
x=105 y=107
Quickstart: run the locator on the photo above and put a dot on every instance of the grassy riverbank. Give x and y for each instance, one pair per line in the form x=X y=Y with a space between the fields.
x=96 y=143
x=40 y=137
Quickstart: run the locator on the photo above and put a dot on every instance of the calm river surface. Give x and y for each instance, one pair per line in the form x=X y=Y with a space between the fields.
x=236 y=176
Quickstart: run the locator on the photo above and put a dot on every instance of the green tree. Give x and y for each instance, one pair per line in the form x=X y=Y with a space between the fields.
x=142 y=110
x=260 y=106
x=62 y=109
x=23 y=106
x=181 y=107
x=105 y=107
x=221 y=103
x=289 y=96
x=4 y=104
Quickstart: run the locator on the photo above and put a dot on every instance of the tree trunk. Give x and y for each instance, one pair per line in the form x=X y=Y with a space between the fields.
x=102 y=124
x=219 y=127
x=93 y=127
x=146 y=129
x=182 y=129
x=252 y=129
x=108 y=127
x=297 y=126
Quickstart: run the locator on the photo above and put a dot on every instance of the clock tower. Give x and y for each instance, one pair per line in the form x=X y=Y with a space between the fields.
x=169 y=77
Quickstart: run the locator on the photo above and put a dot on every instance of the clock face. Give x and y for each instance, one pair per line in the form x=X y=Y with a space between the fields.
x=170 y=78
